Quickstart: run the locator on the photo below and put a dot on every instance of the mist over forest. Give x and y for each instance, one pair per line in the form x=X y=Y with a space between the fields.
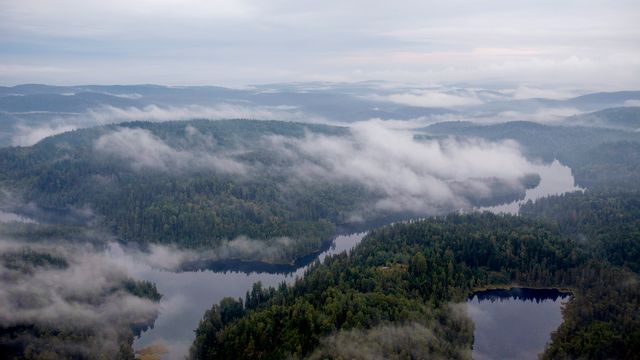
x=271 y=180
x=284 y=180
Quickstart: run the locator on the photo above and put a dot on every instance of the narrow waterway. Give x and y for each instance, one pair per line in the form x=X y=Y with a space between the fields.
x=187 y=295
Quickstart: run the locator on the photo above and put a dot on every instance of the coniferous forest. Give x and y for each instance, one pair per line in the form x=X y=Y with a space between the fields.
x=347 y=180
x=412 y=275
x=246 y=188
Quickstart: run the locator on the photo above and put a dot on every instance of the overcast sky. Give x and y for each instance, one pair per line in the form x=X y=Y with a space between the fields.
x=588 y=43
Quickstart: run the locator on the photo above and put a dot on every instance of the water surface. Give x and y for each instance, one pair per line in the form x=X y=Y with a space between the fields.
x=555 y=179
x=514 y=323
x=187 y=295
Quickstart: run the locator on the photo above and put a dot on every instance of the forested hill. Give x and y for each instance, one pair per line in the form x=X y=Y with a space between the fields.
x=615 y=118
x=184 y=183
x=205 y=184
x=399 y=283
x=600 y=158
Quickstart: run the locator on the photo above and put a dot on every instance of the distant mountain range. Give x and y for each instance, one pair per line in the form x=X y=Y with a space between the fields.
x=31 y=112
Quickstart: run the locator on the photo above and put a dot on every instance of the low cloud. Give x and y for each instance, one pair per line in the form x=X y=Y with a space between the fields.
x=402 y=172
x=243 y=247
x=143 y=150
x=170 y=257
x=425 y=339
x=27 y=135
x=81 y=289
x=527 y=92
x=407 y=173
x=545 y=115
x=426 y=98
x=382 y=342
x=110 y=114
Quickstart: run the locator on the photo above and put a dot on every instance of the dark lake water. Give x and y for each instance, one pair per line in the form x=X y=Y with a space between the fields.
x=187 y=295
x=515 y=323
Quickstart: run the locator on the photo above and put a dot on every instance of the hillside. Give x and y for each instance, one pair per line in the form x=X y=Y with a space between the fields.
x=405 y=277
x=252 y=190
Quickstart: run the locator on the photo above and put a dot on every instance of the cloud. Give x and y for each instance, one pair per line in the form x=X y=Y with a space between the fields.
x=426 y=98
x=82 y=291
x=423 y=339
x=409 y=174
x=250 y=41
x=172 y=258
x=12 y=217
x=110 y=114
x=403 y=172
x=143 y=151
x=27 y=135
x=526 y=92
x=242 y=247
x=382 y=342
x=540 y=115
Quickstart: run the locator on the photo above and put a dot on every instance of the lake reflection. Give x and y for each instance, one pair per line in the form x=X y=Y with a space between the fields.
x=555 y=179
x=514 y=323
x=187 y=295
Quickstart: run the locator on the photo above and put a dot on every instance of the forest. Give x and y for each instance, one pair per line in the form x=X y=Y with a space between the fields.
x=348 y=180
x=605 y=159
x=195 y=209
x=410 y=276
x=201 y=184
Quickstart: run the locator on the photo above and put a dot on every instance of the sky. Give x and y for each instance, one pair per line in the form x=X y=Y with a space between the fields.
x=583 y=43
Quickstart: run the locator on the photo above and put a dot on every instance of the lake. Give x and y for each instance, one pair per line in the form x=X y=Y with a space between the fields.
x=187 y=295
x=514 y=323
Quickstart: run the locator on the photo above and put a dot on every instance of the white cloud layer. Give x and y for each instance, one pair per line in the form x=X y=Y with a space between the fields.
x=143 y=151
x=81 y=296
x=27 y=135
x=409 y=174
x=433 y=99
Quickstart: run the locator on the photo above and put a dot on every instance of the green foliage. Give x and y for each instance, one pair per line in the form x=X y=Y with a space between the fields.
x=142 y=289
x=601 y=322
x=407 y=273
x=607 y=224
x=397 y=274
x=198 y=208
x=26 y=258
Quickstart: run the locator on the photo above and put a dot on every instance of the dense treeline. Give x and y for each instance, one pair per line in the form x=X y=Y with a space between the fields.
x=407 y=273
x=201 y=184
x=70 y=182
x=601 y=321
x=610 y=166
x=607 y=223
